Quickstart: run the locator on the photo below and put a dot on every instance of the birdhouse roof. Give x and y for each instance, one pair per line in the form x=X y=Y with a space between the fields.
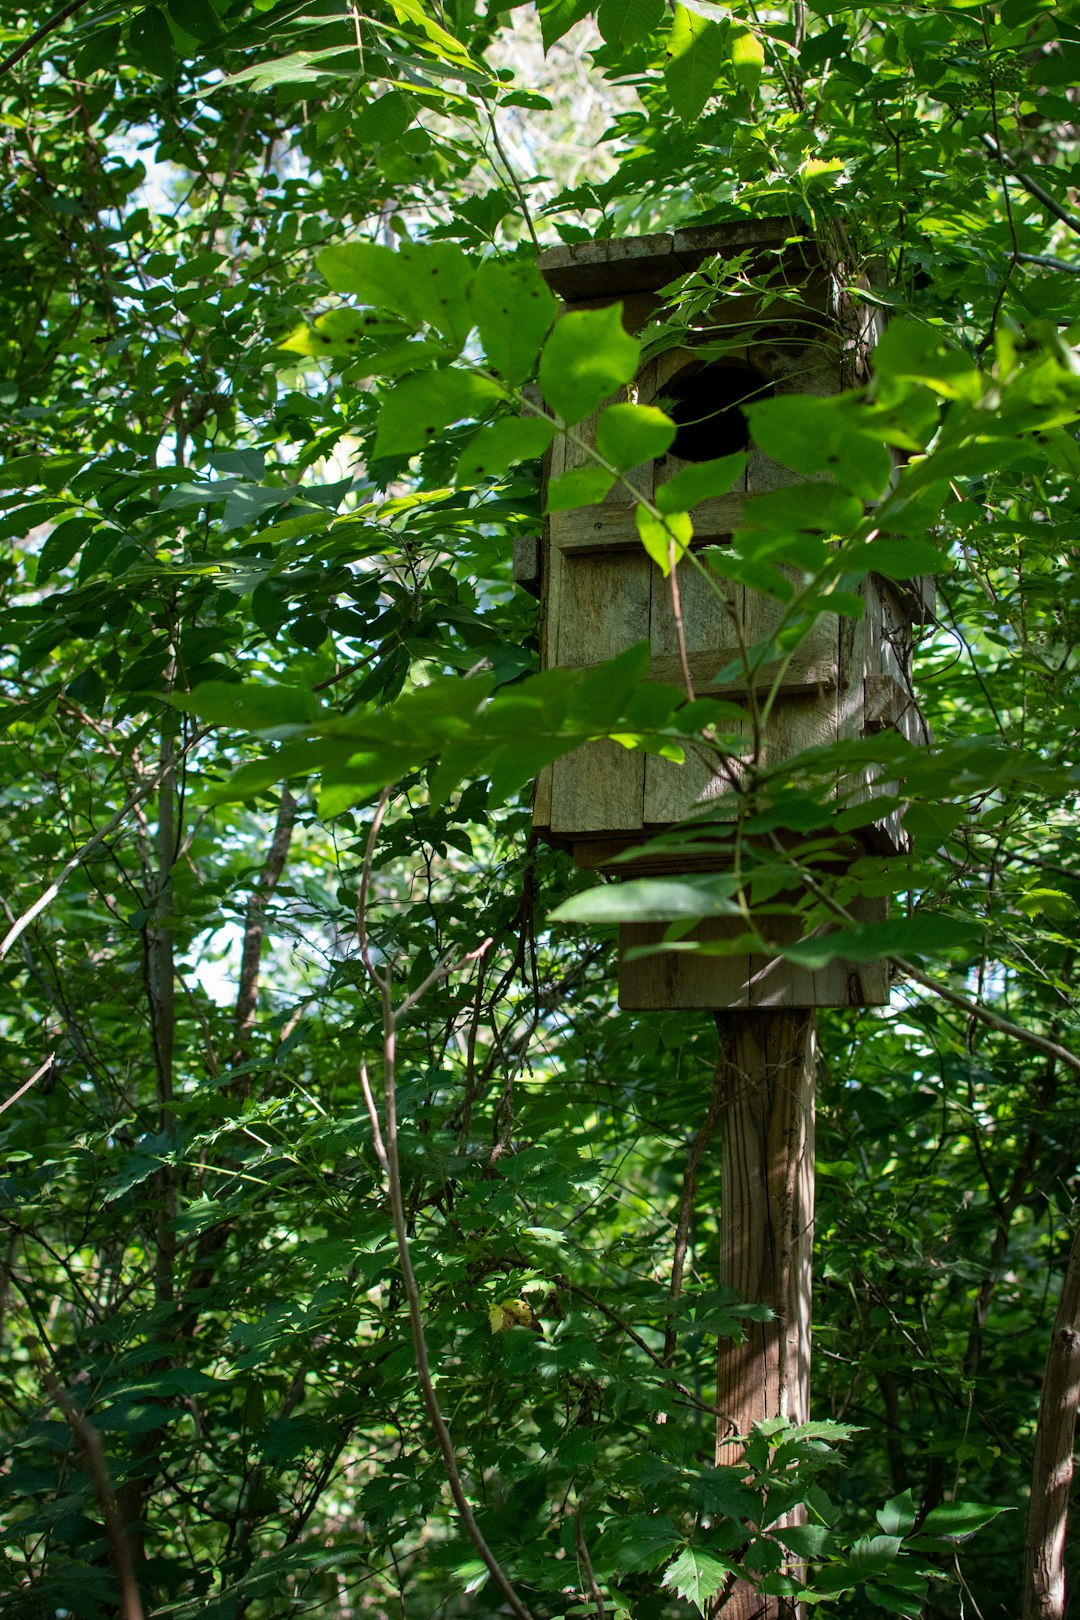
x=612 y=267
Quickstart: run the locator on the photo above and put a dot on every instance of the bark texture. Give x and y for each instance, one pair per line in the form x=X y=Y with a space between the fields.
x=766 y=1247
x=1052 y=1471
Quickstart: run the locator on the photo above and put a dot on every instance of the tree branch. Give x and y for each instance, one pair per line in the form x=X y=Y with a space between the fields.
x=1030 y=184
x=386 y=1150
x=90 y=1442
x=255 y=923
x=49 y=27
x=34 y=1078
x=1052 y=1470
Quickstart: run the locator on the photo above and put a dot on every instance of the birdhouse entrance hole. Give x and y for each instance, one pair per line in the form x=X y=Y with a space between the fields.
x=706 y=405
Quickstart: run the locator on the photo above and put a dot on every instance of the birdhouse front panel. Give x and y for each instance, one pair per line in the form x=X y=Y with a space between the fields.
x=601 y=594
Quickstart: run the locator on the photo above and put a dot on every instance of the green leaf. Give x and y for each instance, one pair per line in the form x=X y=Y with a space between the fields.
x=196 y=17
x=439 y=40
x=251 y=706
x=428 y=282
x=558 y=18
x=498 y=446
x=63 y=544
x=807 y=508
x=959 y=1518
x=874 y=1555
x=813 y=435
x=898 y=1515
x=653 y=900
x=926 y=819
x=805 y=1540
x=894 y=1601
x=907 y=352
x=581 y=486
x=513 y=308
x=152 y=42
x=420 y=407
x=301 y=67
x=623 y=22
x=696 y=53
x=703 y=481
x=587 y=357
x=339 y=332
x=382 y=120
x=629 y=434
x=747 y=58
x=921 y=935
x=368 y=269
x=896 y=559
x=664 y=539
x=696 y=1576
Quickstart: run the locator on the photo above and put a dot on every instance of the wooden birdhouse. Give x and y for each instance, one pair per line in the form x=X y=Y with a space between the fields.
x=600 y=594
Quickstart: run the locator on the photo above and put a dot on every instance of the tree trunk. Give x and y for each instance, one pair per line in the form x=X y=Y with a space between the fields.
x=766 y=1235
x=1052 y=1471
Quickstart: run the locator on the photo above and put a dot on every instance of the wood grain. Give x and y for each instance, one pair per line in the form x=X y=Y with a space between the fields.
x=766 y=1061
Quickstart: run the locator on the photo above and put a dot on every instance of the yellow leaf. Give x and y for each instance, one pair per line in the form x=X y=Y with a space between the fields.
x=665 y=539
x=511 y=1313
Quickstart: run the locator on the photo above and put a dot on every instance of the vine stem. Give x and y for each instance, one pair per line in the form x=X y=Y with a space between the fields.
x=385 y=1138
x=974 y=1009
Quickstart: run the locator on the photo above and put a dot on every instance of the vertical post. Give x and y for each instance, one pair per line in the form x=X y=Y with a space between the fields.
x=766 y=1245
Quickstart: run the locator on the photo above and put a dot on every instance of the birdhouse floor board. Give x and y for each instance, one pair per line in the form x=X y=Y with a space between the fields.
x=750 y=981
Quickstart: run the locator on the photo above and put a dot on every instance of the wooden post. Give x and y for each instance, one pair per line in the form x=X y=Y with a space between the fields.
x=766 y=1242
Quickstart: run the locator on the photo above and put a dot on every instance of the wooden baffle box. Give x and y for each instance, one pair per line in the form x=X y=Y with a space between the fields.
x=600 y=594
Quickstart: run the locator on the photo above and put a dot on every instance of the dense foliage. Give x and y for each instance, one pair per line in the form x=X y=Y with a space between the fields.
x=252 y=533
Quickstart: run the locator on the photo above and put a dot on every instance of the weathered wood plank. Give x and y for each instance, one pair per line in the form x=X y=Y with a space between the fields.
x=526 y=563
x=594 y=269
x=603 y=609
x=718 y=983
x=598 y=788
x=611 y=527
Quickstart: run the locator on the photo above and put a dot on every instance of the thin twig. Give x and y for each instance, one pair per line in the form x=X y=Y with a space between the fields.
x=689 y=1187
x=365 y=883
x=39 y=34
x=386 y=1150
x=1031 y=185
x=586 y=1563
x=657 y=1360
x=1049 y=262
x=255 y=923
x=992 y=1020
x=676 y=609
x=34 y=1078
x=49 y=895
x=509 y=167
x=974 y=1009
x=90 y=1441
